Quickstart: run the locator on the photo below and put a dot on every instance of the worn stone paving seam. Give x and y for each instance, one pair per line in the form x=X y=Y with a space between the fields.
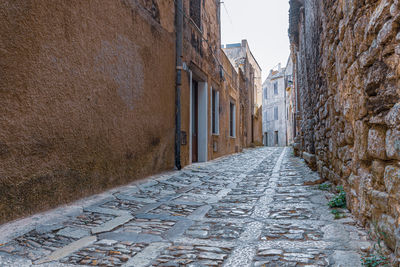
x=149 y=207
x=136 y=199
x=205 y=242
x=243 y=255
x=285 y=244
x=251 y=233
x=114 y=212
x=131 y=237
x=67 y=250
x=159 y=217
x=111 y=225
x=146 y=256
x=199 y=213
x=178 y=229
x=262 y=207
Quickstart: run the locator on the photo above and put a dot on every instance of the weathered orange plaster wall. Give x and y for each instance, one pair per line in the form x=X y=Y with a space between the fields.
x=87 y=99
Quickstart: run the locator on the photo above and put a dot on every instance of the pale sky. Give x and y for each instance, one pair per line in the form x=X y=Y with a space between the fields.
x=264 y=23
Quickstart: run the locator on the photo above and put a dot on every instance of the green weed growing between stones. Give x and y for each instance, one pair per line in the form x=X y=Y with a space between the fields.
x=339 y=200
x=337 y=213
x=375 y=258
x=324 y=186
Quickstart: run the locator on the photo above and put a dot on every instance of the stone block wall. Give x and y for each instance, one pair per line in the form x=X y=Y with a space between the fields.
x=348 y=80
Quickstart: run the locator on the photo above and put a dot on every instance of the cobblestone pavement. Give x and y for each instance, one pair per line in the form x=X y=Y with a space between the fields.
x=248 y=209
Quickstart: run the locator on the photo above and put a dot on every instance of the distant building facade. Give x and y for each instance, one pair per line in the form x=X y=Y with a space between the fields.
x=274 y=108
x=290 y=101
x=251 y=90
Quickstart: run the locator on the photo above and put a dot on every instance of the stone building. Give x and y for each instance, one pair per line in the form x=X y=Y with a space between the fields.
x=201 y=81
x=91 y=93
x=290 y=102
x=274 y=108
x=245 y=63
x=227 y=139
x=347 y=65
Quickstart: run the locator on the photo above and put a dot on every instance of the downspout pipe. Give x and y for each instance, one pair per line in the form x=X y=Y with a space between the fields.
x=179 y=48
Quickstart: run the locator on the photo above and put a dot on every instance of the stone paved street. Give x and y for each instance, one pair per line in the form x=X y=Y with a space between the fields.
x=250 y=209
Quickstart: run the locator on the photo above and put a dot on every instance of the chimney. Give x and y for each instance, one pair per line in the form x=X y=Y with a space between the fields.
x=279 y=67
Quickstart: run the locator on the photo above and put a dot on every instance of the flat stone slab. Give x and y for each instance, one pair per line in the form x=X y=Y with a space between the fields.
x=145 y=257
x=74 y=232
x=65 y=251
x=135 y=199
x=98 y=209
x=110 y=225
x=345 y=258
x=178 y=229
x=131 y=237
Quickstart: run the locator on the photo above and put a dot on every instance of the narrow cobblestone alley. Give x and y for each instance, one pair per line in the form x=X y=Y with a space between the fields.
x=248 y=209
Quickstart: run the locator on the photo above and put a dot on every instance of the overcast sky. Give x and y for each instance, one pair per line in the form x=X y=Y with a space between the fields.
x=264 y=23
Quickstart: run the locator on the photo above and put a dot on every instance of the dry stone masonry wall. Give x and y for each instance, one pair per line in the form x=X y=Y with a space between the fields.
x=347 y=55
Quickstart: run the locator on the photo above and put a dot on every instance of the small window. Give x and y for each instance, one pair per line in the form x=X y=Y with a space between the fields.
x=276 y=138
x=215 y=112
x=232 y=119
x=276 y=88
x=195 y=12
x=266 y=115
x=276 y=113
x=266 y=139
x=266 y=93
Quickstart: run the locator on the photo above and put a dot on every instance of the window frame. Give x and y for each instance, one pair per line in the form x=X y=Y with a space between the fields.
x=197 y=23
x=276 y=88
x=232 y=119
x=214 y=112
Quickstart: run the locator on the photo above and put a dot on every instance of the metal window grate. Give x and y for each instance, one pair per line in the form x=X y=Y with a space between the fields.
x=195 y=12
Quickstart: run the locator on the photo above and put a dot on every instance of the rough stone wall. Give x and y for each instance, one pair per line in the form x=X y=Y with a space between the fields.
x=308 y=63
x=348 y=79
x=74 y=77
x=258 y=132
x=246 y=106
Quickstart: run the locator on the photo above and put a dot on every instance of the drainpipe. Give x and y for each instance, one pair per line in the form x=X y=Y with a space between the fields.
x=179 y=45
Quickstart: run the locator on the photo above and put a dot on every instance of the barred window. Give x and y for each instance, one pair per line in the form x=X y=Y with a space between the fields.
x=195 y=12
